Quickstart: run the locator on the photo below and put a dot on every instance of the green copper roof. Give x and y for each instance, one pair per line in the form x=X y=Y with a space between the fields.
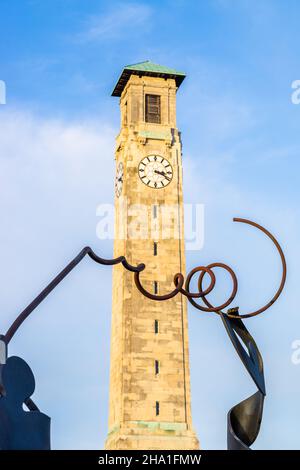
x=146 y=68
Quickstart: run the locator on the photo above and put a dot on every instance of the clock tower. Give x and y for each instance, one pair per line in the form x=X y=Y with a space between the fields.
x=150 y=403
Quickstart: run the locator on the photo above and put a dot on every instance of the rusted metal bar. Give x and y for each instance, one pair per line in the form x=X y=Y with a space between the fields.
x=45 y=292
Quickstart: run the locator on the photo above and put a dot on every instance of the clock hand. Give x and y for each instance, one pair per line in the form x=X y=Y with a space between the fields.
x=163 y=174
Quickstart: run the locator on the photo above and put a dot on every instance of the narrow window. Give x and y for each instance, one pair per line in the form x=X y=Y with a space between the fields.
x=125 y=114
x=157 y=408
x=156 y=327
x=155 y=287
x=156 y=367
x=155 y=248
x=152 y=108
x=155 y=211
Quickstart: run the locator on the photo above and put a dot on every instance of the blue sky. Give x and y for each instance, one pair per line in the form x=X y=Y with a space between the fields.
x=60 y=60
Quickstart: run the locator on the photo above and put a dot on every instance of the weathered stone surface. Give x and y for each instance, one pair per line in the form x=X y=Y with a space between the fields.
x=134 y=386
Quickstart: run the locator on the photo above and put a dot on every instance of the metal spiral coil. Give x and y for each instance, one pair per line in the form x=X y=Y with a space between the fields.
x=201 y=294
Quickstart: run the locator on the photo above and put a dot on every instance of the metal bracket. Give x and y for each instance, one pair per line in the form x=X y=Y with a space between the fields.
x=3 y=350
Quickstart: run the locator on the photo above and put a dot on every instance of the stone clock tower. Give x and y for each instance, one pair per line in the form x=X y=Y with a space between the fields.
x=150 y=403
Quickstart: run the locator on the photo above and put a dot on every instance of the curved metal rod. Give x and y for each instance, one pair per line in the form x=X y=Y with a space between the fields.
x=200 y=293
x=109 y=262
x=232 y=313
x=283 y=275
x=210 y=307
x=178 y=281
x=45 y=292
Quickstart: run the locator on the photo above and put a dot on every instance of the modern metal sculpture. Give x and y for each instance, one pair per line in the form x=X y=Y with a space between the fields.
x=243 y=419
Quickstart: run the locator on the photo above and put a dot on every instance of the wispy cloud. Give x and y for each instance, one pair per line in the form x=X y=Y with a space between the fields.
x=121 y=19
x=52 y=148
x=52 y=180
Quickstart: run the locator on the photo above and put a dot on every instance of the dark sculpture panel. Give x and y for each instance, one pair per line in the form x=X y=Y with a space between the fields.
x=20 y=429
x=244 y=419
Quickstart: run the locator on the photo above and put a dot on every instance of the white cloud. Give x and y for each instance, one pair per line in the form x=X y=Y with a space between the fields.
x=53 y=174
x=121 y=19
x=52 y=153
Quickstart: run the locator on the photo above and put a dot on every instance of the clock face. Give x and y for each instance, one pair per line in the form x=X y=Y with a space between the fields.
x=155 y=171
x=119 y=179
